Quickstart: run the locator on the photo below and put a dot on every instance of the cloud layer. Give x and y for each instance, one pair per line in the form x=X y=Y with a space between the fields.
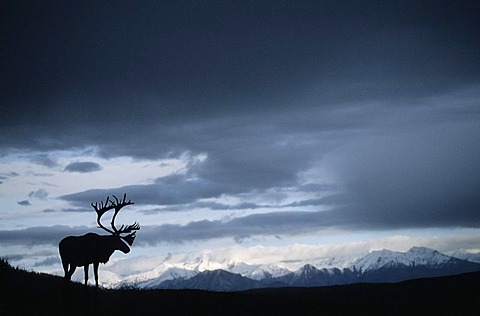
x=289 y=118
x=83 y=167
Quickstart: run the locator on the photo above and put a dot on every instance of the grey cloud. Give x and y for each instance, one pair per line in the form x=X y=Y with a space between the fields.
x=40 y=235
x=44 y=160
x=169 y=190
x=279 y=224
x=330 y=200
x=83 y=167
x=207 y=205
x=39 y=194
x=153 y=211
x=14 y=257
x=275 y=223
x=317 y=187
x=284 y=224
x=77 y=210
x=6 y=175
x=37 y=174
x=50 y=261
x=24 y=203
x=44 y=253
x=333 y=200
x=424 y=177
x=221 y=206
x=180 y=192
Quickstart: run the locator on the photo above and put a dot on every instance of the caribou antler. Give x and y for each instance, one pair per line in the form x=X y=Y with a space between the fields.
x=101 y=209
x=117 y=205
x=130 y=238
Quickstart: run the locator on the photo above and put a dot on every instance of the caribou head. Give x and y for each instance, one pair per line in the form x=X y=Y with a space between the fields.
x=91 y=248
x=130 y=230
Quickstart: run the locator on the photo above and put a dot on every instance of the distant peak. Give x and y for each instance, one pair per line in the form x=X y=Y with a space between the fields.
x=309 y=267
x=421 y=250
x=381 y=251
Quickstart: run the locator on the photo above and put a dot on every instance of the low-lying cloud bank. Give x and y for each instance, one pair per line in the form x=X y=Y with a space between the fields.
x=282 y=224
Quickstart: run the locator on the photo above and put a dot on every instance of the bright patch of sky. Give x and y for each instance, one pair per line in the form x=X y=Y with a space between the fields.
x=39 y=185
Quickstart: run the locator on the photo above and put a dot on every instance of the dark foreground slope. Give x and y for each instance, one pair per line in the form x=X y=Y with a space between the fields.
x=26 y=293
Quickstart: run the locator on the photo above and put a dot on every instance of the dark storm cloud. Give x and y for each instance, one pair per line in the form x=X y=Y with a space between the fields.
x=83 y=167
x=383 y=95
x=115 y=66
x=423 y=177
x=410 y=168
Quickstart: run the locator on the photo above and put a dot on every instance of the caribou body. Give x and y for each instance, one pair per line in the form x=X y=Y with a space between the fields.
x=91 y=248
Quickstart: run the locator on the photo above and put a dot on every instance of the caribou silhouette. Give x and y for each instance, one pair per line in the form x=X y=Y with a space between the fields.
x=91 y=248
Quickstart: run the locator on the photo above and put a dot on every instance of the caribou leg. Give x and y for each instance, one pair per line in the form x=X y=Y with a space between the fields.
x=95 y=271
x=65 y=268
x=85 y=270
x=69 y=274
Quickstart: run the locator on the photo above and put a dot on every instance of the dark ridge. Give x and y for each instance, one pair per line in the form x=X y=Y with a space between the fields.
x=29 y=293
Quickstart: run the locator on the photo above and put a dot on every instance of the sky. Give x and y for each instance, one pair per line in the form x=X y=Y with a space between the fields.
x=235 y=125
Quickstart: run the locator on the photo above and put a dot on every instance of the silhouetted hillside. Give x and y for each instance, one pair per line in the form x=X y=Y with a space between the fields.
x=28 y=293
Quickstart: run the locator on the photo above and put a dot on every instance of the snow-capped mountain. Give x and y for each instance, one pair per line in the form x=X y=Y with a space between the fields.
x=311 y=276
x=416 y=256
x=170 y=274
x=256 y=262
x=465 y=255
x=258 y=272
x=217 y=280
x=377 y=266
x=418 y=262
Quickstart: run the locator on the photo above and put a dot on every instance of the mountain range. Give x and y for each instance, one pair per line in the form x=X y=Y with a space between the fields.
x=383 y=266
